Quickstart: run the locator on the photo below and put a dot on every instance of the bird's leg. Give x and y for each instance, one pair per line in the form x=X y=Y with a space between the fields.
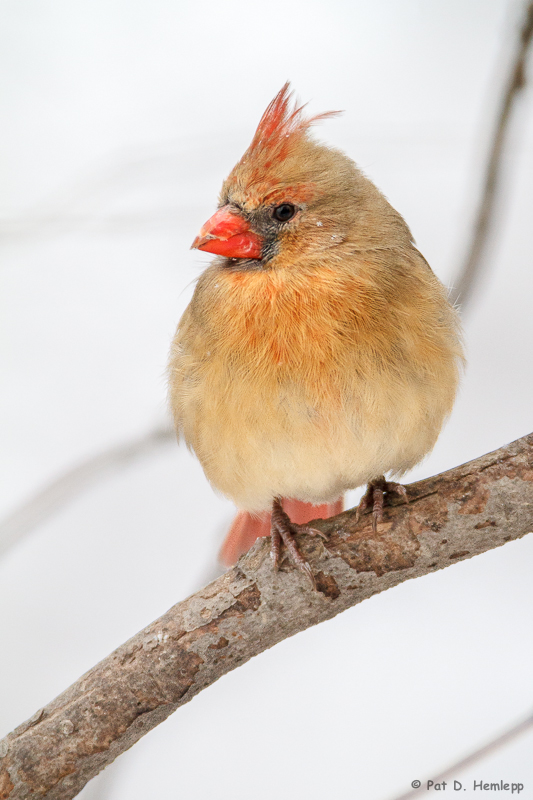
x=283 y=530
x=375 y=497
x=275 y=545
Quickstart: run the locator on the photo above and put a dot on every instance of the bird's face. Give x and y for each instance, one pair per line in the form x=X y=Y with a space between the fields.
x=255 y=222
x=283 y=199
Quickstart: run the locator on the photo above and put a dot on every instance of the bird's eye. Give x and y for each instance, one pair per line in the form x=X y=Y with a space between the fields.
x=284 y=212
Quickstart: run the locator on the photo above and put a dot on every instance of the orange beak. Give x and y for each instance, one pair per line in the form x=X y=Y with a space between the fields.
x=228 y=234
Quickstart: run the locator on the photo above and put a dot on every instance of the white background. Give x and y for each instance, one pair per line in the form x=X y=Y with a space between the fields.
x=119 y=121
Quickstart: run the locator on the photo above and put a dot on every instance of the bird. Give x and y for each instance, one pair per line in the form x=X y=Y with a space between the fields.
x=319 y=352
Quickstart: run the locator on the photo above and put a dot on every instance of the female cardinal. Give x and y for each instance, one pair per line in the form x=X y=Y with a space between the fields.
x=319 y=350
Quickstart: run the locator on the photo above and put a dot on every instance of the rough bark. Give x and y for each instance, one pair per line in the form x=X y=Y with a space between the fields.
x=453 y=516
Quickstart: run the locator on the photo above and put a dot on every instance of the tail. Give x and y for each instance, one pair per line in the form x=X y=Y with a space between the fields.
x=246 y=528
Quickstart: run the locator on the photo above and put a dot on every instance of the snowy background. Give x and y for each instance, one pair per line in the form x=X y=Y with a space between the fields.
x=119 y=122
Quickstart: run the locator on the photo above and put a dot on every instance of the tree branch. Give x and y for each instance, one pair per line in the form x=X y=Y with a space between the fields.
x=464 y=284
x=477 y=755
x=61 y=490
x=468 y=510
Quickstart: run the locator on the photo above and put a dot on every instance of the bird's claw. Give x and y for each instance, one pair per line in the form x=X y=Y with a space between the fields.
x=375 y=497
x=283 y=531
x=311 y=531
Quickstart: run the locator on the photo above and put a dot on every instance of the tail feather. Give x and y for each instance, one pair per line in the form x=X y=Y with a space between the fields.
x=246 y=527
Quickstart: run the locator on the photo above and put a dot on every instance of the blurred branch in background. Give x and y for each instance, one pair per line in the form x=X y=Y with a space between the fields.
x=151 y=188
x=63 y=489
x=91 y=202
x=466 y=281
x=455 y=769
x=473 y=508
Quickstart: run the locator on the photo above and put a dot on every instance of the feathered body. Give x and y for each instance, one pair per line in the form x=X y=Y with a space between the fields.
x=330 y=360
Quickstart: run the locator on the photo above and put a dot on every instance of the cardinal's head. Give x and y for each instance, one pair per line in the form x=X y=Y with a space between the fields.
x=290 y=196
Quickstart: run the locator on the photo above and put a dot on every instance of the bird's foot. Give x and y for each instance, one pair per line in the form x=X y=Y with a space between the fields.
x=374 y=498
x=283 y=531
